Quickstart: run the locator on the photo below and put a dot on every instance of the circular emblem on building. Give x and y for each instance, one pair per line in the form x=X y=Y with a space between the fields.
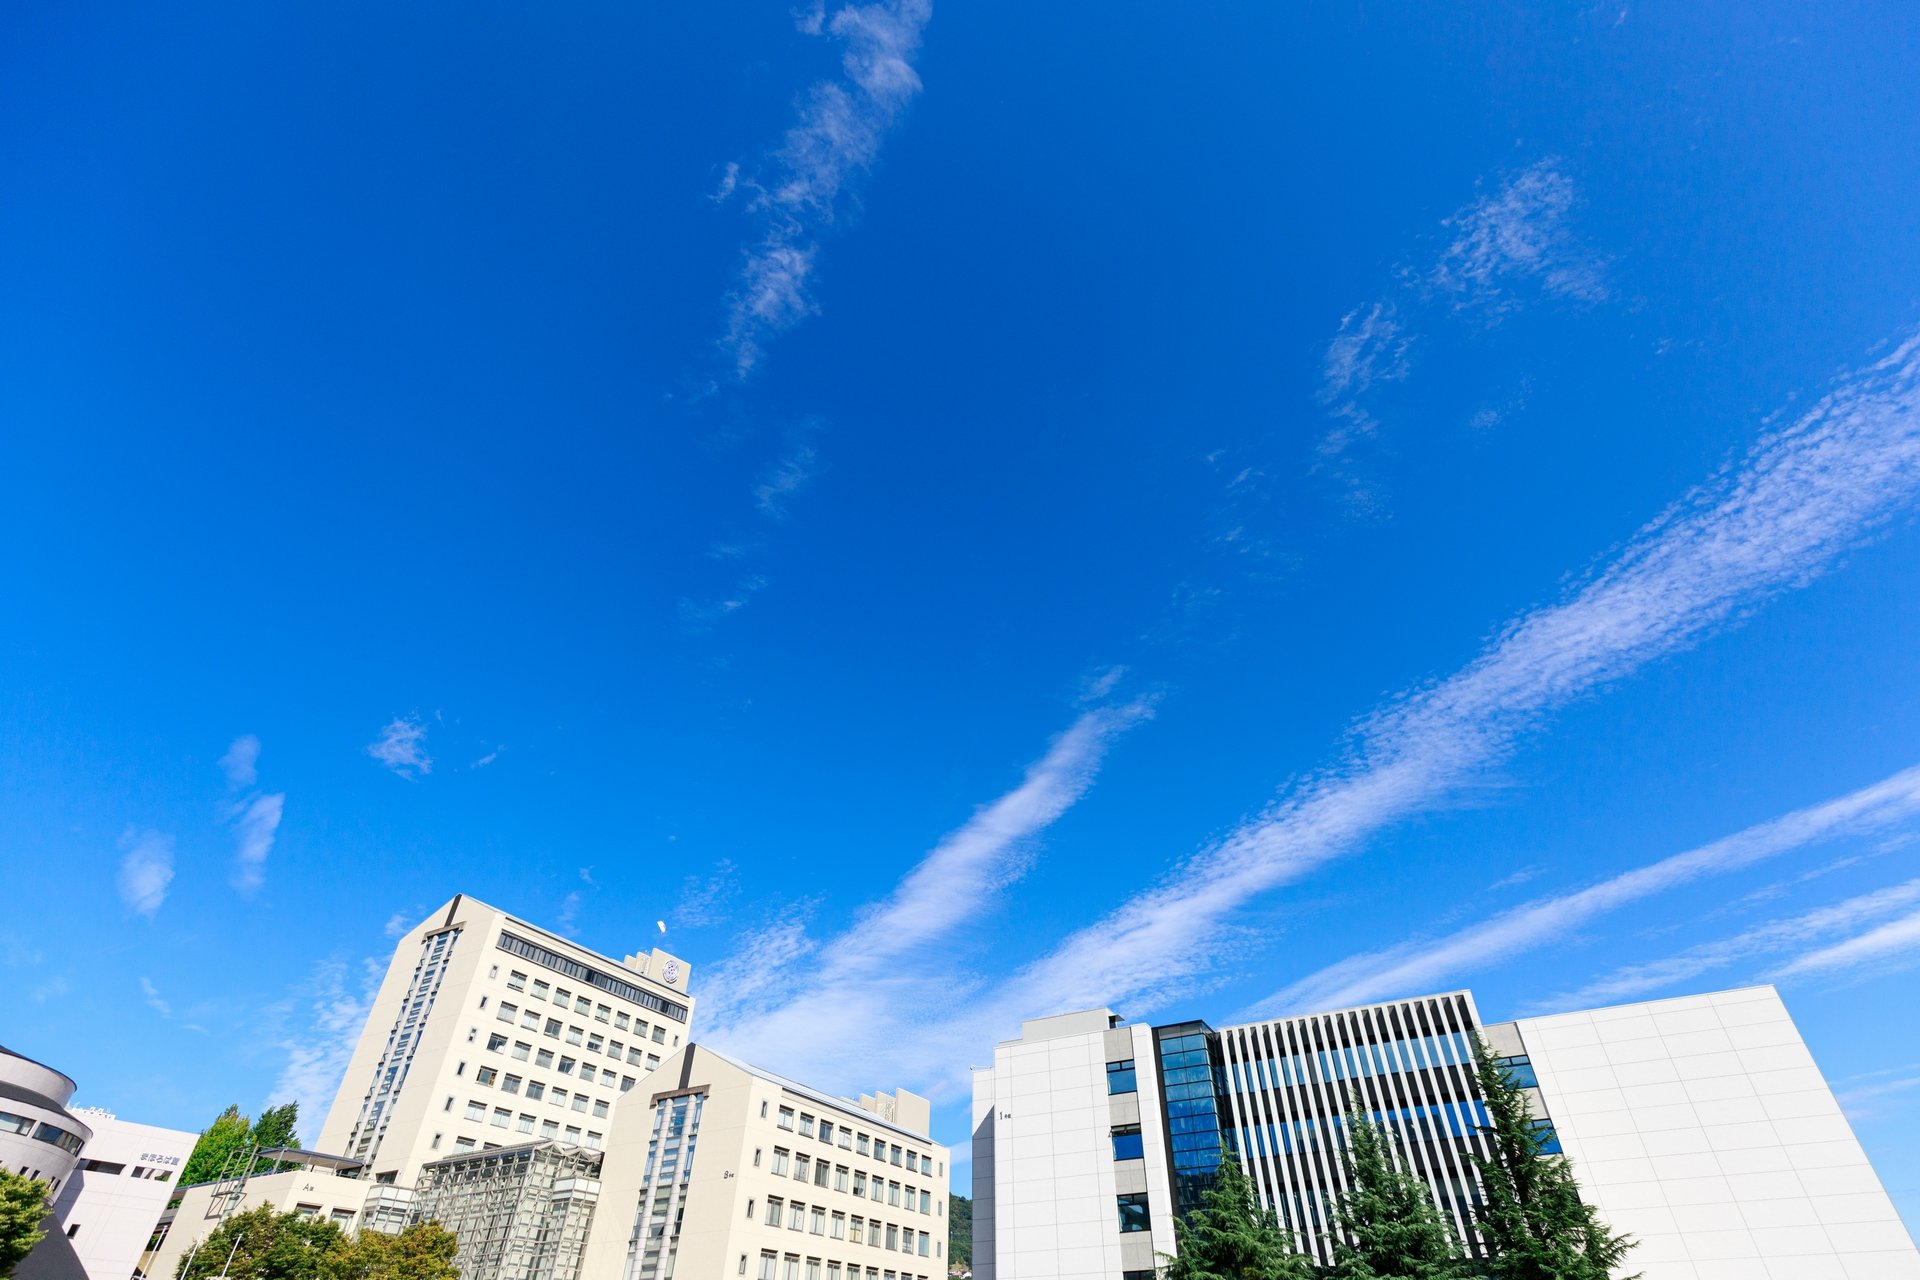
x=672 y=972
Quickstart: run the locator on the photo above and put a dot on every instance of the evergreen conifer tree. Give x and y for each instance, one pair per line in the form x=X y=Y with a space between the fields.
x=1387 y=1225
x=1533 y=1223
x=1230 y=1237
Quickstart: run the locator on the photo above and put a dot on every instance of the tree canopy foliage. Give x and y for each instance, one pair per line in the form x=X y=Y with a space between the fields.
x=23 y=1207
x=265 y=1244
x=1230 y=1237
x=1388 y=1227
x=232 y=1132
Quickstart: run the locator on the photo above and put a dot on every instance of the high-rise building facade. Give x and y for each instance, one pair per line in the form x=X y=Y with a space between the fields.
x=1699 y=1125
x=489 y=1031
x=722 y=1169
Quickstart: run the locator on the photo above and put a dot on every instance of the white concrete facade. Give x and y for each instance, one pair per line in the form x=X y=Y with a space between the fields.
x=1702 y=1126
x=489 y=1031
x=107 y=1211
x=715 y=1168
x=1046 y=1182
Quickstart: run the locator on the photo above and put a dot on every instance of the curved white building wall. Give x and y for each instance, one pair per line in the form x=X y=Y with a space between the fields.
x=38 y=1135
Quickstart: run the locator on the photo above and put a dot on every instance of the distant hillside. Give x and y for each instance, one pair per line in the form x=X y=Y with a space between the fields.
x=960 y=1231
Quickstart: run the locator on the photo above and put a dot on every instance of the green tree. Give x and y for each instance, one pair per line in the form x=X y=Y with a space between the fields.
x=228 y=1134
x=264 y=1244
x=1533 y=1223
x=23 y=1207
x=960 y=1230
x=424 y=1251
x=1230 y=1237
x=1388 y=1227
x=276 y=1127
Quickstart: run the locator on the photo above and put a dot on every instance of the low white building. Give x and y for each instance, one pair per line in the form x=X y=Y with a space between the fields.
x=319 y=1186
x=108 y=1208
x=715 y=1168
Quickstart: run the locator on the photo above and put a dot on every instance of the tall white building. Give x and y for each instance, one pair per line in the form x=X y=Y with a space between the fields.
x=1699 y=1125
x=722 y=1169
x=490 y=1031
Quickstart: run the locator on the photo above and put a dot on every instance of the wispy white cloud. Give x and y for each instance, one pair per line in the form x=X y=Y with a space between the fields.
x=1871 y=1101
x=1519 y=234
x=255 y=824
x=146 y=869
x=699 y=616
x=319 y=1025
x=835 y=139
x=1801 y=496
x=894 y=959
x=1506 y=248
x=1428 y=964
x=1895 y=941
x=703 y=899
x=398 y=923
x=488 y=758
x=1370 y=348
x=239 y=764
x=784 y=479
x=567 y=919
x=402 y=747
x=1771 y=937
x=155 y=1001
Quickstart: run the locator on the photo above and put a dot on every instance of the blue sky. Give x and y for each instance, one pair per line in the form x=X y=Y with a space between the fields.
x=962 y=514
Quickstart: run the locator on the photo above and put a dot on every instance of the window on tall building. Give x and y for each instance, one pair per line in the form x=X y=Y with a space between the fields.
x=826 y=1131
x=507 y=1012
x=768 y=1261
x=476 y=1110
x=524 y=1123
x=1120 y=1077
x=552 y=1028
x=1520 y=1066
x=839 y=1227
x=500 y=1117
x=521 y=1050
x=535 y=1091
x=806 y=1125
x=540 y=989
x=817 y=1221
x=485 y=1075
x=1133 y=1212
x=602 y=1013
x=496 y=1042
x=780 y=1158
x=775 y=1208
x=803 y=1167
x=1127 y=1142
x=786 y=1118
x=544 y=1058
x=516 y=981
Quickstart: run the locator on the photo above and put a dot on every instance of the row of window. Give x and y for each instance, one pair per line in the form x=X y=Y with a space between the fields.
x=553 y=960
x=510 y=1083
x=524 y=1124
x=555 y=1098
x=144 y=1172
x=539 y=989
x=554 y=1029
x=40 y=1130
x=804 y=1168
x=850 y=1140
x=522 y=1051
x=775 y=1267
x=838 y=1226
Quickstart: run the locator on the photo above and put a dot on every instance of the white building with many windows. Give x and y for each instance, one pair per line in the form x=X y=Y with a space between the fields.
x=1701 y=1126
x=723 y=1169
x=489 y=1031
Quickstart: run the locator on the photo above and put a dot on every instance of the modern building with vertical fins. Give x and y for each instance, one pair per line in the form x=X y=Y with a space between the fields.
x=1699 y=1125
